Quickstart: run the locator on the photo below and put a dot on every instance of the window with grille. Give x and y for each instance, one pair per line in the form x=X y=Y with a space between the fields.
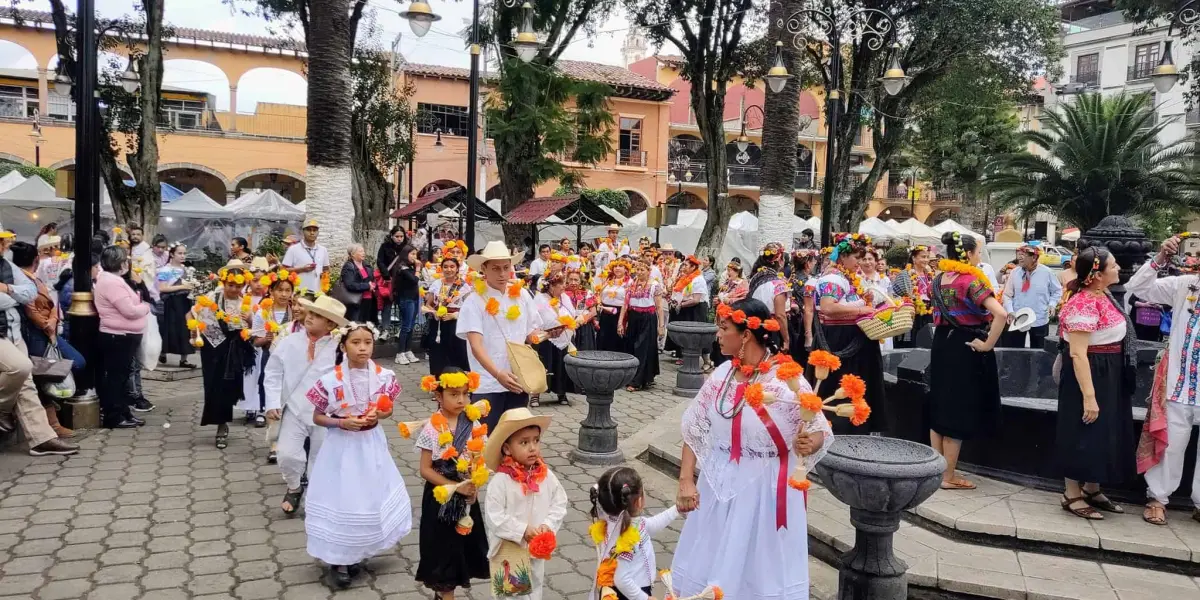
x=17 y=102
x=630 y=143
x=452 y=120
x=60 y=107
x=184 y=114
x=1145 y=58
x=1087 y=68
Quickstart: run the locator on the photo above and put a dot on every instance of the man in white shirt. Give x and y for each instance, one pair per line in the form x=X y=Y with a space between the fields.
x=483 y=321
x=537 y=268
x=296 y=363
x=308 y=258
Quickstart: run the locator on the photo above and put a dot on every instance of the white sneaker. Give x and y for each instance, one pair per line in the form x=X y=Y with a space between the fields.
x=401 y=358
x=412 y=358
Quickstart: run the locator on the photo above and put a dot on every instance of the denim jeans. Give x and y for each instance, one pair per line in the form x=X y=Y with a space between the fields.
x=407 y=307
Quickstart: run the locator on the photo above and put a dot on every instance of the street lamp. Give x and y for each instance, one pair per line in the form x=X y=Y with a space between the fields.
x=420 y=17
x=871 y=25
x=1166 y=74
x=35 y=134
x=526 y=42
x=438 y=146
x=130 y=82
x=743 y=140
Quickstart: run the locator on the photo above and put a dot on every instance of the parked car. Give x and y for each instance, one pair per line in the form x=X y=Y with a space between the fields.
x=1054 y=256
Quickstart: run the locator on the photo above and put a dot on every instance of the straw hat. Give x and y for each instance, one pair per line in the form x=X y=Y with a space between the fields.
x=236 y=264
x=48 y=240
x=614 y=227
x=260 y=264
x=327 y=307
x=1023 y=320
x=494 y=250
x=511 y=422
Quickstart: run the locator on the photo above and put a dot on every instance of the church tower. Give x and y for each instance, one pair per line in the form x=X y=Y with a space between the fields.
x=634 y=48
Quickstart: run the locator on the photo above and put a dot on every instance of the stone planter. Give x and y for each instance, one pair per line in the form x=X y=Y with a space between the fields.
x=878 y=478
x=599 y=373
x=694 y=338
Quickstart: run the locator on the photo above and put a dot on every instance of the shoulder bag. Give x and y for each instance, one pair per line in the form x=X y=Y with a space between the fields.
x=511 y=569
x=525 y=364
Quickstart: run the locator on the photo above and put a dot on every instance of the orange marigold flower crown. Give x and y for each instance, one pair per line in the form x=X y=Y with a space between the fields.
x=469 y=380
x=725 y=311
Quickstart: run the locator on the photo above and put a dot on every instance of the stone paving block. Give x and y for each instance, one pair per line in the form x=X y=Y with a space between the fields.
x=211 y=584
x=1050 y=589
x=119 y=591
x=166 y=594
x=1127 y=533
x=989 y=584
x=1069 y=570
x=1166 y=585
x=27 y=565
x=993 y=519
x=72 y=569
x=259 y=589
x=981 y=559
x=313 y=591
x=66 y=589
x=80 y=551
x=36 y=547
x=118 y=574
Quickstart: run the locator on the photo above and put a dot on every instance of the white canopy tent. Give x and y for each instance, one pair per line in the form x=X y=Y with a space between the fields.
x=951 y=225
x=195 y=204
x=1070 y=234
x=265 y=205
x=10 y=180
x=30 y=203
x=878 y=230
x=917 y=232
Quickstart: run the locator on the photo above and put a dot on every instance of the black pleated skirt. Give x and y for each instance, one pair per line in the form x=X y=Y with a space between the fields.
x=964 y=387
x=449 y=560
x=607 y=338
x=1102 y=452
x=585 y=336
x=176 y=339
x=221 y=391
x=866 y=361
x=559 y=382
x=449 y=350
x=641 y=338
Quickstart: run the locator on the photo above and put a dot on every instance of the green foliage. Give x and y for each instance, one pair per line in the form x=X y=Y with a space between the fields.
x=896 y=256
x=272 y=245
x=1161 y=224
x=968 y=117
x=1100 y=156
x=614 y=199
x=381 y=112
x=27 y=172
x=527 y=115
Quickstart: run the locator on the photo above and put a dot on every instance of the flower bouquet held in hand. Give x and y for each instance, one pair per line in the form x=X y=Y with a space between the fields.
x=712 y=592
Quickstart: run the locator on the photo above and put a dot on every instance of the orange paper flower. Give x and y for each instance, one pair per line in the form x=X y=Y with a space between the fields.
x=789 y=370
x=472 y=381
x=566 y=321
x=802 y=486
x=738 y=317
x=492 y=306
x=771 y=325
x=862 y=411
x=724 y=311
x=480 y=431
x=747 y=370
x=542 y=545
x=450 y=453
x=606 y=572
x=811 y=402
x=854 y=386
x=754 y=322
x=764 y=367
x=821 y=358
x=754 y=395
x=514 y=290
x=384 y=404
x=438 y=420
x=475 y=444
x=429 y=383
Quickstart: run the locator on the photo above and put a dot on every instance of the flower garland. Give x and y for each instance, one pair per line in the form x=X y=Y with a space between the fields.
x=854 y=279
x=962 y=268
x=683 y=282
x=918 y=303
x=626 y=543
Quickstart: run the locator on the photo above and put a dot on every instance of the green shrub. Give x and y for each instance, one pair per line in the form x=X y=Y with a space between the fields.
x=43 y=172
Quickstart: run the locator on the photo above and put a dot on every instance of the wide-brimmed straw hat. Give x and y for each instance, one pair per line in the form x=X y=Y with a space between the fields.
x=511 y=422
x=494 y=250
x=327 y=307
x=260 y=264
x=1023 y=320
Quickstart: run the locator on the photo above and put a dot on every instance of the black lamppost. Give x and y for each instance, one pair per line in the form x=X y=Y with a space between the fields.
x=1166 y=73
x=420 y=17
x=681 y=164
x=872 y=25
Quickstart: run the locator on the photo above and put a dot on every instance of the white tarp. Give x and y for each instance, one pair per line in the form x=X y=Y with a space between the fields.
x=29 y=204
x=1070 y=235
x=951 y=225
x=917 y=232
x=10 y=180
x=878 y=230
x=34 y=193
x=265 y=205
x=195 y=204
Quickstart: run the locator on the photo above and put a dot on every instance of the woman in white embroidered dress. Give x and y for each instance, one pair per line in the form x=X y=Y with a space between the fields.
x=358 y=506
x=555 y=308
x=749 y=531
x=877 y=282
x=611 y=292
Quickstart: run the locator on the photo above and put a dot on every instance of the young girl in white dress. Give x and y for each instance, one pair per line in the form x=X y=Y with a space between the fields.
x=358 y=506
x=623 y=537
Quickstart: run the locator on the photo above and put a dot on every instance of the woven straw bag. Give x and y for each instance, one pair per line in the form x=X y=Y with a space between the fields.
x=888 y=322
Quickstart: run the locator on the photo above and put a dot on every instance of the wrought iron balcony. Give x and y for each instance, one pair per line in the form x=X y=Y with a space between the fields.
x=1088 y=78
x=1140 y=71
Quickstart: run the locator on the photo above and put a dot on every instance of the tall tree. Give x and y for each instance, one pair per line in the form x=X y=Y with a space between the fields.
x=330 y=178
x=1100 y=156
x=709 y=35
x=965 y=120
x=140 y=38
x=781 y=127
x=1014 y=38
x=527 y=110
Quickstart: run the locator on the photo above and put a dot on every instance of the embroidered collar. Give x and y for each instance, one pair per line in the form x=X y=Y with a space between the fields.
x=530 y=479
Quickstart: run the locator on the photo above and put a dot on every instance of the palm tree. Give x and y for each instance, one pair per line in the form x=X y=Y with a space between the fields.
x=329 y=105
x=1098 y=157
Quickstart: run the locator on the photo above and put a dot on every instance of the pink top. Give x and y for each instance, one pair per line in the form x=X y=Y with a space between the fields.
x=121 y=309
x=1087 y=312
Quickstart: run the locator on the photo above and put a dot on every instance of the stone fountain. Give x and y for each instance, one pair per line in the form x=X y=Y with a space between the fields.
x=694 y=338
x=599 y=373
x=877 y=478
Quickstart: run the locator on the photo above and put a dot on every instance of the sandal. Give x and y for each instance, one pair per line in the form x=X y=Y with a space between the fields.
x=341 y=576
x=1087 y=512
x=535 y=402
x=630 y=388
x=1156 y=514
x=222 y=437
x=260 y=421
x=1097 y=499
x=292 y=499
x=958 y=483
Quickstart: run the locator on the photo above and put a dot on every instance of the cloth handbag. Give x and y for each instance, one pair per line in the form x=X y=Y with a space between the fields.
x=511 y=569
x=151 y=344
x=526 y=365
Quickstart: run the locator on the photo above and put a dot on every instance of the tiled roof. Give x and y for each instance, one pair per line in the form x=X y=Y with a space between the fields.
x=673 y=60
x=188 y=33
x=620 y=78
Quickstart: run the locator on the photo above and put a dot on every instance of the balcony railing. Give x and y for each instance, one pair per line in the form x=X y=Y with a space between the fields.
x=1089 y=78
x=1140 y=71
x=1193 y=117
x=631 y=158
x=744 y=176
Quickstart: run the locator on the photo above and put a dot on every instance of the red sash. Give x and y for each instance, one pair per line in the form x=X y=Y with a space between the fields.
x=735 y=454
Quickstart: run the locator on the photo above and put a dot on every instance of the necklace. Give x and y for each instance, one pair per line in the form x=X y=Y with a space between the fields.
x=722 y=394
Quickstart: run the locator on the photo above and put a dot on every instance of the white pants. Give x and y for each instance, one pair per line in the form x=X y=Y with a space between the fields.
x=1163 y=479
x=293 y=430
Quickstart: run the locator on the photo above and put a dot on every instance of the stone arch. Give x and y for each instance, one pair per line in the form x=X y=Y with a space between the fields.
x=188 y=176
x=638 y=201
x=29 y=60
x=270 y=87
x=686 y=199
x=69 y=164
x=897 y=212
x=295 y=190
x=941 y=214
x=5 y=157
x=201 y=75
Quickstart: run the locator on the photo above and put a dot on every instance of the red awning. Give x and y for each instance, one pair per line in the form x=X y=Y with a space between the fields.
x=422 y=202
x=537 y=210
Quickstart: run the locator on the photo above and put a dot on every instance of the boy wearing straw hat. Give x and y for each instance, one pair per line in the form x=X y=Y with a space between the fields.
x=295 y=365
x=524 y=498
x=499 y=311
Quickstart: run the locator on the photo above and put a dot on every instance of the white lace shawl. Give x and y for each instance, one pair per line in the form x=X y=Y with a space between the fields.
x=709 y=434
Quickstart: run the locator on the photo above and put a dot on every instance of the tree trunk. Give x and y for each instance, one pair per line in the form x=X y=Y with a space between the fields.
x=145 y=203
x=709 y=106
x=371 y=194
x=781 y=127
x=330 y=176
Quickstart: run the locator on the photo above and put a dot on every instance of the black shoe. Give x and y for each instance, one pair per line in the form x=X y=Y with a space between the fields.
x=162 y=359
x=183 y=364
x=126 y=424
x=137 y=421
x=341 y=576
x=260 y=420
x=143 y=405
x=303 y=481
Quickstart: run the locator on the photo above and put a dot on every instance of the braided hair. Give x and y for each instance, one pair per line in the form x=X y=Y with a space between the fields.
x=1089 y=264
x=959 y=246
x=755 y=308
x=615 y=493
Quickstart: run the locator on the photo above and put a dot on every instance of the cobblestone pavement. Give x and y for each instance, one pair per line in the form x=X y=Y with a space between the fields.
x=160 y=513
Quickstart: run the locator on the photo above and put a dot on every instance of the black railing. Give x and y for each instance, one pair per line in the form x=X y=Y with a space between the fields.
x=1086 y=78
x=1141 y=71
x=744 y=176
